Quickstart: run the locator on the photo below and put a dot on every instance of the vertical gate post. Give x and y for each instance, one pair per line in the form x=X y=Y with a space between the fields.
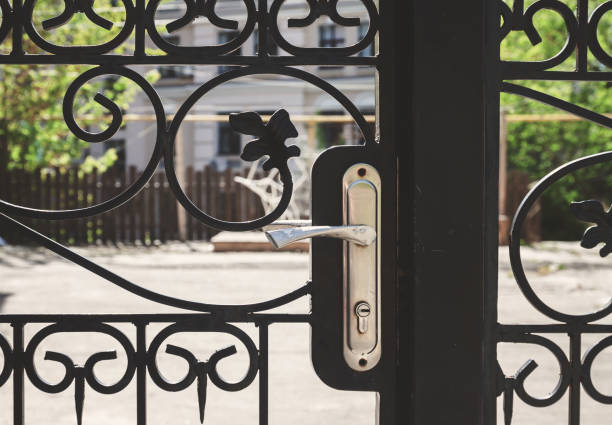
x=437 y=99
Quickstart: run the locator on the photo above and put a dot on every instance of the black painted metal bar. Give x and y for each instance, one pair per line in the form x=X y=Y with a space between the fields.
x=139 y=50
x=18 y=386
x=555 y=75
x=154 y=318
x=447 y=278
x=17 y=18
x=557 y=103
x=108 y=275
x=262 y=34
x=575 y=370
x=141 y=384
x=125 y=60
x=263 y=373
x=582 y=45
x=491 y=201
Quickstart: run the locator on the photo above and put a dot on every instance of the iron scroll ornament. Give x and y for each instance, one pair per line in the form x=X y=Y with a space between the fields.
x=164 y=143
x=193 y=10
x=509 y=386
x=139 y=359
x=125 y=32
x=79 y=375
x=197 y=370
x=581 y=33
x=319 y=8
x=269 y=143
x=515 y=243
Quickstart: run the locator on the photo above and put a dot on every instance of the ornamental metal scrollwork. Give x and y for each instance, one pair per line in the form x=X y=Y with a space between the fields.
x=7 y=360
x=317 y=9
x=516 y=384
x=320 y=8
x=79 y=375
x=200 y=8
x=5 y=23
x=519 y=19
x=77 y=6
x=594 y=44
x=581 y=33
x=202 y=371
x=73 y=6
x=515 y=244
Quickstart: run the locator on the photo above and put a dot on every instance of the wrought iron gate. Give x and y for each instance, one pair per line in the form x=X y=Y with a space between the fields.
x=439 y=76
x=326 y=317
x=582 y=22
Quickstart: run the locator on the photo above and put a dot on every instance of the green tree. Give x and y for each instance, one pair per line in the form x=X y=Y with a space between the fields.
x=539 y=147
x=32 y=129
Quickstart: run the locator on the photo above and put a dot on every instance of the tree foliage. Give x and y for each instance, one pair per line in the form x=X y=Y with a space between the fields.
x=31 y=117
x=539 y=147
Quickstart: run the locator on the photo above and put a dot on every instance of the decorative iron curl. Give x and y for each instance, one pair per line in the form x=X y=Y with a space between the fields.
x=328 y=8
x=515 y=244
x=593 y=41
x=522 y=20
x=5 y=23
x=68 y=106
x=7 y=358
x=73 y=6
x=516 y=384
x=317 y=9
x=204 y=8
x=192 y=13
x=587 y=364
x=80 y=374
x=285 y=173
x=199 y=370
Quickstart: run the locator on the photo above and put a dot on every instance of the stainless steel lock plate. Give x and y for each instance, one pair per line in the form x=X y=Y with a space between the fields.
x=361 y=189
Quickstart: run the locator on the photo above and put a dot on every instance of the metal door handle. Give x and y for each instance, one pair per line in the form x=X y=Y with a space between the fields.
x=360 y=234
x=361 y=318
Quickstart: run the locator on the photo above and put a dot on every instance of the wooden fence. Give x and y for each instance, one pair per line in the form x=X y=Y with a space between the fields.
x=151 y=217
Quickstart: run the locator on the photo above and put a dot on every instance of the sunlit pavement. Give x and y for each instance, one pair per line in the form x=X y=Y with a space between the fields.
x=568 y=277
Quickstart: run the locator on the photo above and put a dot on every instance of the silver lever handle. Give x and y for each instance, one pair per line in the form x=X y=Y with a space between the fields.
x=361 y=235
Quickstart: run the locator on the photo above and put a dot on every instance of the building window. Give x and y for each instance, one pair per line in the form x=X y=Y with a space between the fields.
x=225 y=37
x=228 y=141
x=270 y=43
x=175 y=71
x=330 y=36
x=363 y=30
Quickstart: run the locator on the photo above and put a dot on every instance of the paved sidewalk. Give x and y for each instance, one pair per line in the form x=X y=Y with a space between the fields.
x=571 y=278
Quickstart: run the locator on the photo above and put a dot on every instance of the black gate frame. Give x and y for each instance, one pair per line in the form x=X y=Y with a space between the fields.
x=443 y=114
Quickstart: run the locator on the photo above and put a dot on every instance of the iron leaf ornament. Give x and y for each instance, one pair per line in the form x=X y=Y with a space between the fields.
x=592 y=211
x=270 y=139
